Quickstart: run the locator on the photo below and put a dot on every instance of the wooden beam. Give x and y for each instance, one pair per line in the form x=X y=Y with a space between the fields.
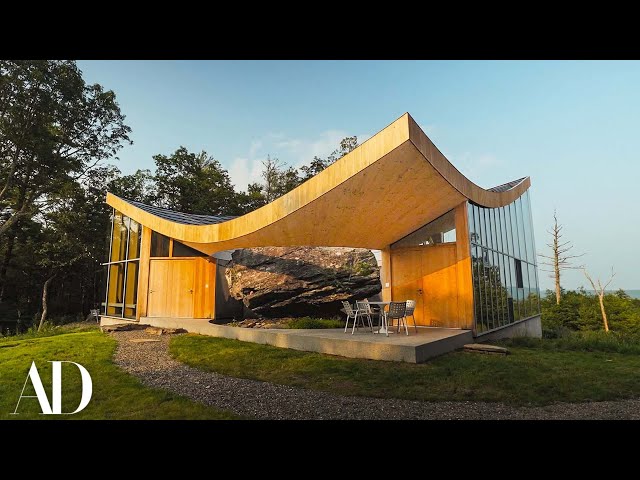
x=143 y=274
x=385 y=275
x=463 y=267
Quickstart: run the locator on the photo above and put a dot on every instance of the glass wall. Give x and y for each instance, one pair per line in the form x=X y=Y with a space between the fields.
x=504 y=265
x=159 y=245
x=122 y=267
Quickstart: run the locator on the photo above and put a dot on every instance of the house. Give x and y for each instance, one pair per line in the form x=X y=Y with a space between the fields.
x=465 y=254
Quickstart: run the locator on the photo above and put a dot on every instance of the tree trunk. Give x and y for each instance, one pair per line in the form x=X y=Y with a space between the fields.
x=558 y=291
x=5 y=264
x=82 y=295
x=45 y=298
x=604 y=313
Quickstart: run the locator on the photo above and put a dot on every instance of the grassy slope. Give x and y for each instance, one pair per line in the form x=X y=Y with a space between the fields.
x=532 y=374
x=116 y=395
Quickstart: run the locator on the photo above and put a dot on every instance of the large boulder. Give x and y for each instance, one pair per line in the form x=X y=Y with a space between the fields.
x=299 y=281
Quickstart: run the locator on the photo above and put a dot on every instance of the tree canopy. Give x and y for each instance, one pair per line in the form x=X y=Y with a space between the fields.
x=58 y=139
x=53 y=129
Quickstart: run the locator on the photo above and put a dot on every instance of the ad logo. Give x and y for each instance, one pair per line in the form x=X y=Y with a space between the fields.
x=55 y=407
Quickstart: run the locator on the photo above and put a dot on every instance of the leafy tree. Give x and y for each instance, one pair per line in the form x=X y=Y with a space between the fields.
x=579 y=311
x=194 y=183
x=71 y=243
x=53 y=128
x=139 y=186
x=315 y=167
x=620 y=293
x=318 y=164
x=278 y=179
x=250 y=200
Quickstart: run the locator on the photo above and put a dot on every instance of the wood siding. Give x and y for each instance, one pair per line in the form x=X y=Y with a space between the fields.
x=205 y=288
x=181 y=288
x=143 y=275
x=438 y=277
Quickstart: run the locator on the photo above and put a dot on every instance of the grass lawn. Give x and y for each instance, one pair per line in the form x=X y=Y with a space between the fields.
x=538 y=372
x=116 y=395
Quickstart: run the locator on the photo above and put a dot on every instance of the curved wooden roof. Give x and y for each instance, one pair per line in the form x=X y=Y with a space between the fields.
x=388 y=187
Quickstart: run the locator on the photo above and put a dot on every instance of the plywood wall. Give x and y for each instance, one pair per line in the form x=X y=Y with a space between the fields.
x=438 y=277
x=143 y=275
x=204 y=288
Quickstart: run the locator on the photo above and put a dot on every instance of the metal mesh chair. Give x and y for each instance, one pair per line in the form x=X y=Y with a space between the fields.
x=348 y=309
x=411 y=306
x=365 y=310
x=397 y=310
x=355 y=315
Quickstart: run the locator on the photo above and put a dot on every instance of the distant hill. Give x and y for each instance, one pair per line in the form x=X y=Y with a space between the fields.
x=631 y=293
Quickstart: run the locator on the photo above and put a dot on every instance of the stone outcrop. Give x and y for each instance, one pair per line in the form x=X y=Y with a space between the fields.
x=119 y=327
x=301 y=281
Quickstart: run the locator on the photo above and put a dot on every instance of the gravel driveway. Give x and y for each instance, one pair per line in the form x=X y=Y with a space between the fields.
x=152 y=363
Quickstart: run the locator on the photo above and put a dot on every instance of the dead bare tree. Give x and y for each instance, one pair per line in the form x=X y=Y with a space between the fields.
x=600 y=292
x=560 y=259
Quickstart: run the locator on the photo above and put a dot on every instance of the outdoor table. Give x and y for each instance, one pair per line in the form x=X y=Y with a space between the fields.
x=383 y=319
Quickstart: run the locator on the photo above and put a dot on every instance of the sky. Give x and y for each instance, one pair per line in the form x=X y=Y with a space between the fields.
x=572 y=126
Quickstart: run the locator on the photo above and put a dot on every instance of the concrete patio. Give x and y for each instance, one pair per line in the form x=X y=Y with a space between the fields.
x=418 y=347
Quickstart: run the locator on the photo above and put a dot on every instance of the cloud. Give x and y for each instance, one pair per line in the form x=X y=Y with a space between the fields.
x=244 y=171
x=256 y=145
x=475 y=165
x=295 y=152
x=299 y=151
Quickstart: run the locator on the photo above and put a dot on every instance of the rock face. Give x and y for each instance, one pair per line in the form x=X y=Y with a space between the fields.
x=299 y=281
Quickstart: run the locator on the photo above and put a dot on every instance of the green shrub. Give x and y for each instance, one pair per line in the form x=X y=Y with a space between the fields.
x=308 y=322
x=580 y=311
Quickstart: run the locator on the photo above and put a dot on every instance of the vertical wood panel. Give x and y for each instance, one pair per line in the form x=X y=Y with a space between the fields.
x=440 y=286
x=407 y=275
x=181 y=288
x=204 y=289
x=182 y=279
x=156 y=303
x=386 y=275
x=444 y=274
x=143 y=275
x=171 y=288
x=433 y=272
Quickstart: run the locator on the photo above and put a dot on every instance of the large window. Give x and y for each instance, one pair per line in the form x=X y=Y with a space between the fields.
x=504 y=266
x=440 y=230
x=162 y=246
x=122 y=268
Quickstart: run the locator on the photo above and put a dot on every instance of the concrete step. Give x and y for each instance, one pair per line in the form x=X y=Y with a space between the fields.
x=121 y=327
x=164 y=331
x=484 y=348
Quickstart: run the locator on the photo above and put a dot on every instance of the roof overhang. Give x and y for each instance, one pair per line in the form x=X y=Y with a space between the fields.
x=386 y=188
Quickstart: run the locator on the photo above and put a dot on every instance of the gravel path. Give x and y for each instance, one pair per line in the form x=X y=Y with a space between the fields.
x=152 y=363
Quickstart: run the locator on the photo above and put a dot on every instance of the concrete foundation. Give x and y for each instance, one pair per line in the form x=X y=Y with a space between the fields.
x=413 y=348
x=531 y=327
x=418 y=347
